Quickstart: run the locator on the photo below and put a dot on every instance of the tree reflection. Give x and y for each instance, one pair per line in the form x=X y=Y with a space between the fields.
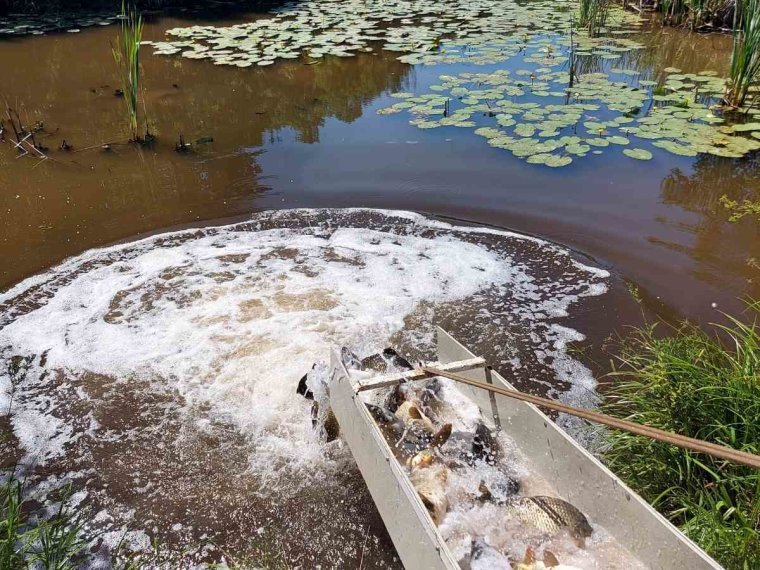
x=720 y=248
x=83 y=199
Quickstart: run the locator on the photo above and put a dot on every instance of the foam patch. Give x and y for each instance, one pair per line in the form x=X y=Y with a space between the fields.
x=133 y=347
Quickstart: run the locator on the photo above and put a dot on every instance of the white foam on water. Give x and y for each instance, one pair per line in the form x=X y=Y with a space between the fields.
x=226 y=320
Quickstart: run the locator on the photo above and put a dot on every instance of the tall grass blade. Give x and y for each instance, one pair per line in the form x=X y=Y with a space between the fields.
x=706 y=387
x=745 y=56
x=592 y=15
x=126 y=54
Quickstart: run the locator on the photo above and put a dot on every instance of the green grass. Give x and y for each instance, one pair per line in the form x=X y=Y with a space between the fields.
x=745 y=55
x=126 y=54
x=31 y=539
x=705 y=386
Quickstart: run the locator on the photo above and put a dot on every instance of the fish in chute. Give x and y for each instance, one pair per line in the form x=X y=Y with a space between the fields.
x=430 y=478
x=551 y=515
x=407 y=434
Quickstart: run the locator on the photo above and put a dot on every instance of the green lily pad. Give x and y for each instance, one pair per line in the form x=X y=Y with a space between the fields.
x=555 y=161
x=525 y=130
x=675 y=148
x=637 y=153
x=744 y=127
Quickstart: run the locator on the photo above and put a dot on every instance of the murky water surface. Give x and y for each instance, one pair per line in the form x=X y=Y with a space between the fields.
x=154 y=345
x=307 y=135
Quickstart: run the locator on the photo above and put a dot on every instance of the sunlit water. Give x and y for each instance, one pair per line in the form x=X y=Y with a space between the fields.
x=159 y=375
x=293 y=135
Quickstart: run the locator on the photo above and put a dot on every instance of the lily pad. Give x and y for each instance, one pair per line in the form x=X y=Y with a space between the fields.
x=637 y=153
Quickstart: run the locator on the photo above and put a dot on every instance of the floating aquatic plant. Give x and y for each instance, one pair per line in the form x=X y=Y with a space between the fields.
x=573 y=98
x=558 y=124
x=477 y=31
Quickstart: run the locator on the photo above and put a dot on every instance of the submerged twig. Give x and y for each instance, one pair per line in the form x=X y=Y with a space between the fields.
x=364 y=547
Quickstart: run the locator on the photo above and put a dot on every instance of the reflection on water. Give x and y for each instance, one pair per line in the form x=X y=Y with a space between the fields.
x=86 y=198
x=689 y=51
x=294 y=134
x=722 y=247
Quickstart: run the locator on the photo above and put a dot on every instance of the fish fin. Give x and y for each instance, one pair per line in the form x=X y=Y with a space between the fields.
x=303 y=386
x=441 y=436
x=530 y=556
x=430 y=506
x=397 y=396
x=550 y=560
x=314 y=414
x=331 y=427
x=381 y=415
x=476 y=548
x=396 y=359
x=421 y=460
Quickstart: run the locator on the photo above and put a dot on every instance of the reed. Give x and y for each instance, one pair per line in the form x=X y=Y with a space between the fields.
x=745 y=56
x=705 y=386
x=696 y=13
x=592 y=15
x=126 y=54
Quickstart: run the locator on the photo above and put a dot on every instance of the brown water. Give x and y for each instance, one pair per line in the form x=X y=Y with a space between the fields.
x=297 y=135
x=307 y=135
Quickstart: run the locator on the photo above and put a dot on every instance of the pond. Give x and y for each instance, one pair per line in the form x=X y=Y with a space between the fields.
x=458 y=111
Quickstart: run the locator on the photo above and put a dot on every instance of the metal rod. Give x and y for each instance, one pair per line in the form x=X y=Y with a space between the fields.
x=416 y=374
x=690 y=443
x=492 y=397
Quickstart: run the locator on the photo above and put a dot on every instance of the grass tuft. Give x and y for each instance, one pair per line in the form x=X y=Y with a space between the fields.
x=593 y=15
x=745 y=56
x=705 y=386
x=126 y=54
x=38 y=540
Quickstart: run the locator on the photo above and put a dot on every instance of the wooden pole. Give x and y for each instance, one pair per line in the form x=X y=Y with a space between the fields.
x=690 y=443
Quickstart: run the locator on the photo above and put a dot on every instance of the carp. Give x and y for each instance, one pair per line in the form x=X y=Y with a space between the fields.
x=386 y=361
x=414 y=418
x=429 y=479
x=407 y=438
x=550 y=515
x=480 y=445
